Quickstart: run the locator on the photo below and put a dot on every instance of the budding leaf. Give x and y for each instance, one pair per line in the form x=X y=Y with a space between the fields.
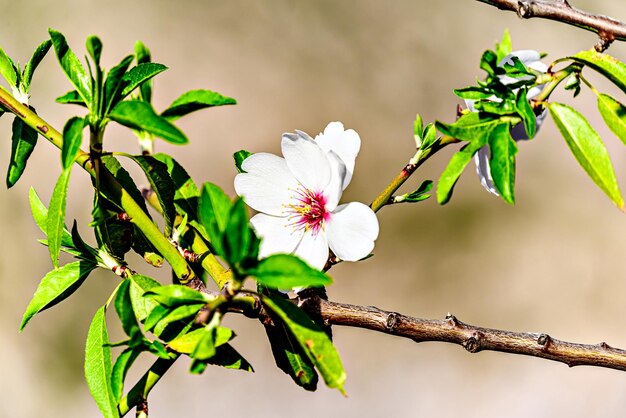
x=23 y=141
x=504 y=47
x=608 y=66
x=113 y=84
x=139 y=115
x=57 y=286
x=94 y=48
x=239 y=157
x=614 y=114
x=72 y=67
x=588 y=149
x=140 y=74
x=7 y=69
x=98 y=365
x=284 y=271
x=312 y=339
x=418 y=195
x=195 y=100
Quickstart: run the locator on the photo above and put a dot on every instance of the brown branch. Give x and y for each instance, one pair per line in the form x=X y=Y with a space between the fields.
x=470 y=337
x=607 y=28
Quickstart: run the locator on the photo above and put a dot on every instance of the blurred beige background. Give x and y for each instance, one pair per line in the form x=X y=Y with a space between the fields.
x=553 y=263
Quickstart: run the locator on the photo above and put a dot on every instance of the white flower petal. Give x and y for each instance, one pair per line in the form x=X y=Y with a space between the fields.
x=334 y=190
x=306 y=160
x=483 y=169
x=345 y=143
x=313 y=249
x=277 y=234
x=527 y=56
x=268 y=184
x=352 y=230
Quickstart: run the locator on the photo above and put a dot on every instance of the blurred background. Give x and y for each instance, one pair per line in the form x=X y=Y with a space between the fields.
x=553 y=263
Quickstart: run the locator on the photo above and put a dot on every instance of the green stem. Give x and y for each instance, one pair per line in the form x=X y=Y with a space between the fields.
x=557 y=78
x=124 y=199
x=140 y=391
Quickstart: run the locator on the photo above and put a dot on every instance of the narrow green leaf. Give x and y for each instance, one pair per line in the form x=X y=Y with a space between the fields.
x=473 y=93
x=472 y=126
x=113 y=84
x=239 y=156
x=121 y=175
x=23 y=141
x=226 y=356
x=71 y=97
x=35 y=60
x=120 y=369
x=177 y=295
x=56 y=216
x=161 y=184
x=40 y=215
x=124 y=309
x=418 y=195
x=214 y=209
x=195 y=100
x=614 y=114
x=140 y=115
x=455 y=167
x=56 y=286
x=502 y=161
x=525 y=110
x=186 y=344
x=72 y=67
x=588 y=149
x=7 y=69
x=140 y=74
x=312 y=339
x=72 y=139
x=142 y=53
x=608 y=66
x=94 y=48
x=140 y=285
x=285 y=271
x=238 y=234
x=177 y=314
x=98 y=365
x=504 y=47
x=84 y=251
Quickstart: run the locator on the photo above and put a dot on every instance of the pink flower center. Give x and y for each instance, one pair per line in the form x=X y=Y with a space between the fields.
x=309 y=213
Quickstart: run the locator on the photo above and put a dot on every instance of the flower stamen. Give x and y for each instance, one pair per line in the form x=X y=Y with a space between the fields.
x=309 y=212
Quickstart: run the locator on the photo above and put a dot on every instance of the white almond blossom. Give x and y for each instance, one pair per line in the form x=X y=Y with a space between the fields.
x=298 y=198
x=530 y=59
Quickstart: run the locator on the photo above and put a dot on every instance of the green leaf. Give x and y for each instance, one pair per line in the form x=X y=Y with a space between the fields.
x=226 y=356
x=429 y=137
x=124 y=309
x=72 y=139
x=159 y=312
x=238 y=234
x=120 y=369
x=177 y=314
x=489 y=62
x=113 y=84
x=84 y=251
x=418 y=195
x=71 y=66
x=289 y=357
x=502 y=161
x=504 y=47
x=122 y=177
x=525 y=110
x=40 y=215
x=608 y=66
x=470 y=127
x=204 y=349
x=473 y=93
x=285 y=271
x=176 y=295
x=142 y=53
x=98 y=365
x=7 y=69
x=588 y=149
x=56 y=216
x=71 y=97
x=614 y=114
x=140 y=285
x=195 y=100
x=23 y=141
x=57 y=286
x=162 y=185
x=140 y=74
x=34 y=62
x=94 y=48
x=214 y=208
x=455 y=167
x=186 y=344
x=239 y=156
x=140 y=115
x=312 y=339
